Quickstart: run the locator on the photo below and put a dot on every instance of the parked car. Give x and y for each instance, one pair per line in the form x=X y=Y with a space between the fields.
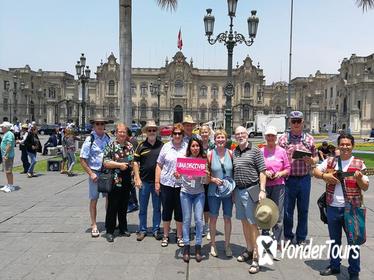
x=135 y=129
x=166 y=130
x=47 y=129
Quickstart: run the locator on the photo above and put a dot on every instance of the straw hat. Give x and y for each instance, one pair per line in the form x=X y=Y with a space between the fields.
x=98 y=118
x=148 y=125
x=266 y=214
x=6 y=124
x=188 y=119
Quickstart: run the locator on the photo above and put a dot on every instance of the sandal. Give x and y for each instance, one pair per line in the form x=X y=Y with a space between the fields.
x=180 y=242
x=254 y=267
x=95 y=232
x=245 y=256
x=165 y=241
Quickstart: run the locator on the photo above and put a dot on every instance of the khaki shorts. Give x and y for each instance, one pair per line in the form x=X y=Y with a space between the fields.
x=8 y=165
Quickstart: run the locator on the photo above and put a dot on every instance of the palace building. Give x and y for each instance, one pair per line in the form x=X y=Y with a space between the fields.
x=329 y=101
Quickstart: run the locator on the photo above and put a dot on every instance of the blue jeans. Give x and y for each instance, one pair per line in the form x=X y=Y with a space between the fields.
x=71 y=161
x=297 y=192
x=32 y=157
x=197 y=202
x=335 y=222
x=144 y=193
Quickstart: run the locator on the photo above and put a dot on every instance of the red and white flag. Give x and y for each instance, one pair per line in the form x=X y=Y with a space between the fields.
x=180 y=41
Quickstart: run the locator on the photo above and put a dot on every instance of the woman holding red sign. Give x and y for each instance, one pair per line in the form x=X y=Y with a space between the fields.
x=192 y=196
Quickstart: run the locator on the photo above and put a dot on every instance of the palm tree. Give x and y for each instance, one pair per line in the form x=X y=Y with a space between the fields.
x=365 y=4
x=125 y=53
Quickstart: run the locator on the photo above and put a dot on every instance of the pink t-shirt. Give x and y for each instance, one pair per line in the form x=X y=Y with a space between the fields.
x=275 y=162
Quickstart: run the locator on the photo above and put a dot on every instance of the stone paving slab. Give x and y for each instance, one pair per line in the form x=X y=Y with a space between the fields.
x=45 y=234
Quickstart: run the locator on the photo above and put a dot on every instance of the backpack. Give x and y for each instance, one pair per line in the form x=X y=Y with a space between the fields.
x=92 y=139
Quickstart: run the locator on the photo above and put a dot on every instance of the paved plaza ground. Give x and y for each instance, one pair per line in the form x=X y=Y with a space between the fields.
x=45 y=234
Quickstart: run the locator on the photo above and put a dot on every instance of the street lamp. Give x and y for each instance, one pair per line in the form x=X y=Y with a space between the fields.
x=156 y=88
x=230 y=39
x=84 y=77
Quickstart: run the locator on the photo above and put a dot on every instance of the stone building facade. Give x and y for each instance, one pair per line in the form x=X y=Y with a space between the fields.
x=329 y=101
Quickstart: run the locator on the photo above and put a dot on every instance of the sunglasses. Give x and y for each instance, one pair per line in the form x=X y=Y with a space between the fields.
x=151 y=130
x=99 y=123
x=177 y=133
x=296 y=121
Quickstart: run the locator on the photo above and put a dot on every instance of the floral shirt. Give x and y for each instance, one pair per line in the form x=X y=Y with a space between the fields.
x=115 y=151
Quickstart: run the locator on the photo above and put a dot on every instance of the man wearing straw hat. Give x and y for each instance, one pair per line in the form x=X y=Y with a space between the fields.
x=7 y=152
x=188 y=125
x=91 y=159
x=145 y=161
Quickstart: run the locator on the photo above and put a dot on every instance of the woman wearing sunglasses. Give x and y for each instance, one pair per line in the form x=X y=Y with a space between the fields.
x=220 y=162
x=192 y=196
x=168 y=186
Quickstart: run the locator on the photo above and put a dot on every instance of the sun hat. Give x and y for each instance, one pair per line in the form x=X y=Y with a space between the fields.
x=226 y=188
x=6 y=124
x=188 y=119
x=24 y=125
x=98 y=118
x=296 y=115
x=270 y=130
x=149 y=124
x=266 y=214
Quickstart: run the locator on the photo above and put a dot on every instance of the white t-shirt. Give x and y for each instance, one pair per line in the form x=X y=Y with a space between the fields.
x=338 y=200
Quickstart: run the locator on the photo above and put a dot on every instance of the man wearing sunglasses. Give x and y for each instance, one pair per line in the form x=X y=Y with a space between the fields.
x=145 y=161
x=298 y=183
x=91 y=159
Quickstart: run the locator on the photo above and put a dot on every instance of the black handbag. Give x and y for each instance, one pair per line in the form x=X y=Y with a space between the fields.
x=105 y=182
x=321 y=202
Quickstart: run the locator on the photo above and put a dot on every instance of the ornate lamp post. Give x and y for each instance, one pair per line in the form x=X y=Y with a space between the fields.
x=230 y=39
x=156 y=88
x=84 y=77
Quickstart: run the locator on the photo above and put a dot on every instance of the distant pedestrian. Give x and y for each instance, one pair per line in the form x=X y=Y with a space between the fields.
x=133 y=204
x=51 y=142
x=70 y=145
x=33 y=146
x=22 y=147
x=91 y=159
x=7 y=152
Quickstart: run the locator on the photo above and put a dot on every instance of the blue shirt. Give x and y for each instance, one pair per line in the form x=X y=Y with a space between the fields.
x=168 y=160
x=94 y=154
x=8 y=139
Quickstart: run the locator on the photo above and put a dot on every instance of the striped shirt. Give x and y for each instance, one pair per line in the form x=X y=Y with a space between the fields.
x=248 y=164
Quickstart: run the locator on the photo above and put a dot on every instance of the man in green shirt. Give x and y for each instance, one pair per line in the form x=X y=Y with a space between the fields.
x=7 y=152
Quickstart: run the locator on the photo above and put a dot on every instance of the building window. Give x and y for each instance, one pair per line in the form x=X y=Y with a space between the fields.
x=331 y=92
x=203 y=112
x=259 y=96
x=203 y=91
x=214 y=112
x=6 y=85
x=5 y=104
x=134 y=108
x=345 y=107
x=133 y=89
x=111 y=87
x=178 y=87
x=143 y=111
x=247 y=90
x=52 y=93
x=154 y=112
x=214 y=91
x=15 y=85
x=143 y=89
x=111 y=110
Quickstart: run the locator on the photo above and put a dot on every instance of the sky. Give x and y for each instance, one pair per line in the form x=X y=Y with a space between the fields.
x=51 y=34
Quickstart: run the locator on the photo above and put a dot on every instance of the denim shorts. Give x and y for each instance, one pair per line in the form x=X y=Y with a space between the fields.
x=245 y=206
x=93 y=193
x=215 y=203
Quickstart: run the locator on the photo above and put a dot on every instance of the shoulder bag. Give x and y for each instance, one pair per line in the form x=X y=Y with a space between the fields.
x=354 y=217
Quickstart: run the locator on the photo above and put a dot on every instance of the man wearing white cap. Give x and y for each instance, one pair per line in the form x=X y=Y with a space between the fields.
x=7 y=151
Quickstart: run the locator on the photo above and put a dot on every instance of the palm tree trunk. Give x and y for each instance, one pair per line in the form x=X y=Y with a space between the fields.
x=125 y=53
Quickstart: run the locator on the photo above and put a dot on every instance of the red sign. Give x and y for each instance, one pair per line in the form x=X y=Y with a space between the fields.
x=191 y=166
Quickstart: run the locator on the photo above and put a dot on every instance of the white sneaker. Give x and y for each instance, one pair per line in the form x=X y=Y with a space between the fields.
x=213 y=251
x=3 y=188
x=6 y=189
x=12 y=188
